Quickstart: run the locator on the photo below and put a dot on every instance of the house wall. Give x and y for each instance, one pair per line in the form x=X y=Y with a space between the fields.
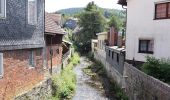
x=18 y=74
x=101 y=40
x=57 y=55
x=141 y=24
x=15 y=32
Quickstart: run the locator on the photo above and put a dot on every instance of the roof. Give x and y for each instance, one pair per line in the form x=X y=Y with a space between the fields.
x=67 y=42
x=56 y=17
x=94 y=40
x=122 y=2
x=116 y=49
x=102 y=33
x=51 y=27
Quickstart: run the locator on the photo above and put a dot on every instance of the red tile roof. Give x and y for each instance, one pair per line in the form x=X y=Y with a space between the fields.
x=56 y=17
x=51 y=27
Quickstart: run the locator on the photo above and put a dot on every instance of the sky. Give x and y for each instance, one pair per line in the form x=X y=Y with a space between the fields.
x=54 y=5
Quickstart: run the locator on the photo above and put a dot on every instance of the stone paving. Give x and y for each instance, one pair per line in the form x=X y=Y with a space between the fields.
x=84 y=90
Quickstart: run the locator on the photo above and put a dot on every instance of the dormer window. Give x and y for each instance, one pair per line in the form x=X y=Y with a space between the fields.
x=32 y=12
x=2 y=8
x=162 y=10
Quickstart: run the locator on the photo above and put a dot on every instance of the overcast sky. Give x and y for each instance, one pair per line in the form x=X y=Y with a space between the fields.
x=54 y=5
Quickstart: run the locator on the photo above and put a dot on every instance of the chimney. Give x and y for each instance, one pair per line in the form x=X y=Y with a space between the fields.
x=113 y=37
x=120 y=38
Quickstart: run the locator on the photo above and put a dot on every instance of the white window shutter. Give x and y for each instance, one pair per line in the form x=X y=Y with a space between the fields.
x=2 y=8
x=32 y=12
x=1 y=65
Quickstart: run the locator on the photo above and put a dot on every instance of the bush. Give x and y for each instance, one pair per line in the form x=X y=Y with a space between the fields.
x=158 y=68
x=64 y=84
x=75 y=59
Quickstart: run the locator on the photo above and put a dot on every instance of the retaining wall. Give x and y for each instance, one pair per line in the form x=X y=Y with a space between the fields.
x=140 y=86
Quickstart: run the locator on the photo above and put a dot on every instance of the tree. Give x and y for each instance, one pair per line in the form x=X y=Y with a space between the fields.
x=91 y=21
x=115 y=22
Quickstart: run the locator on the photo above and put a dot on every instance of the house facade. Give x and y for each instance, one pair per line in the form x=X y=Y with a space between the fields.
x=102 y=37
x=53 y=38
x=148 y=31
x=21 y=46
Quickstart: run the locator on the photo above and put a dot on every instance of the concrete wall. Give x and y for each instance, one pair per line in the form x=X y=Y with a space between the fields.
x=140 y=86
x=141 y=25
x=136 y=84
x=114 y=61
x=111 y=71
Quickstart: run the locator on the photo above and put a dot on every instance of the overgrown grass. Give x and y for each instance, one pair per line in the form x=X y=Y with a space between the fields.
x=64 y=84
x=75 y=59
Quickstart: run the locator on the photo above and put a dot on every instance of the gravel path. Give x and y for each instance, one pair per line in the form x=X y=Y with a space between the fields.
x=86 y=91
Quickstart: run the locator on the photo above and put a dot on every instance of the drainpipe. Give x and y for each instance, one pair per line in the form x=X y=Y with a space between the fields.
x=51 y=55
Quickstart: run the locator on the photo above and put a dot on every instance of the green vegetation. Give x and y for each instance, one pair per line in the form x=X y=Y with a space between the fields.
x=158 y=68
x=97 y=70
x=64 y=84
x=116 y=22
x=72 y=12
x=91 y=22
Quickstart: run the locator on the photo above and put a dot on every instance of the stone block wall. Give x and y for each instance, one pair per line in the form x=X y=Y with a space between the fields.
x=18 y=74
x=41 y=91
x=140 y=86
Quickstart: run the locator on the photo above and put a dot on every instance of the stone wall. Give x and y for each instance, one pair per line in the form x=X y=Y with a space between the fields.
x=41 y=91
x=136 y=84
x=140 y=86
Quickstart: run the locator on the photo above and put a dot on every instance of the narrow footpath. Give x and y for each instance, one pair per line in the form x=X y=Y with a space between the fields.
x=87 y=88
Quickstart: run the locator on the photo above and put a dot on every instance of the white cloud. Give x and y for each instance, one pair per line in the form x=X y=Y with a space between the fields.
x=54 y=5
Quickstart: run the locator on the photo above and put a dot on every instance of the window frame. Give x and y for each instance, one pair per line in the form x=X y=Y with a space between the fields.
x=36 y=13
x=167 y=10
x=3 y=9
x=1 y=66
x=147 y=46
x=32 y=62
x=112 y=54
x=109 y=53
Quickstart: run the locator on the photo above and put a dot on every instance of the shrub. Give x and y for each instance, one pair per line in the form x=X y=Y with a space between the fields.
x=158 y=68
x=64 y=84
x=75 y=59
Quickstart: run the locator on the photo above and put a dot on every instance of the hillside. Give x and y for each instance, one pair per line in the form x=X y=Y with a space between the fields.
x=106 y=12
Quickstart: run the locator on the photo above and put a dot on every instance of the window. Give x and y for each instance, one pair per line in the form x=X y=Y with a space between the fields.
x=32 y=12
x=146 y=46
x=162 y=10
x=58 y=51
x=112 y=55
x=31 y=59
x=1 y=65
x=39 y=52
x=117 y=55
x=2 y=8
